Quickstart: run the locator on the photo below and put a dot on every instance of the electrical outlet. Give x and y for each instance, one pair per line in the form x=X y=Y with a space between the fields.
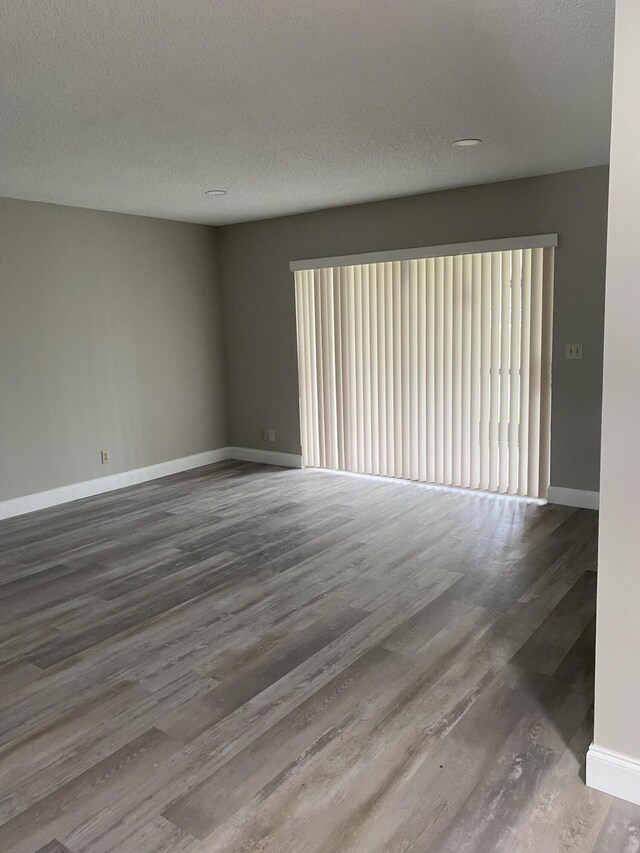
x=263 y=434
x=104 y=457
x=574 y=351
x=272 y=435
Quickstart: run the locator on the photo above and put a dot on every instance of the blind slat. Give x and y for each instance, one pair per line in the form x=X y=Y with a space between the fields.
x=373 y=378
x=382 y=371
x=467 y=301
x=456 y=372
x=397 y=368
x=439 y=368
x=366 y=372
x=313 y=371
x=525 y=358
x=535 y=363
x=405 y=371
x=414 y=397
x=430 y=284
x=390 y=372
x=422 y=438
x=505 y=341
x=514 y=371
x=494 y=369
x=476 y=326
x=485 y=371
x=545 y=371
x=447 y=377
x=353 y=390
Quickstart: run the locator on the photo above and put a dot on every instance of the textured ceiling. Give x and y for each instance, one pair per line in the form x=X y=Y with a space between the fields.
x=291 y=105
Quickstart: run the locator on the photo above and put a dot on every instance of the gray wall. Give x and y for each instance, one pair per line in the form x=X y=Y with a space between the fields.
x=260 y=308
x=110 y=337
x=111 y=325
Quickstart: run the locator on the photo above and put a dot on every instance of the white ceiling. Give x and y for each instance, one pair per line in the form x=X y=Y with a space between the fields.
x=291 y=105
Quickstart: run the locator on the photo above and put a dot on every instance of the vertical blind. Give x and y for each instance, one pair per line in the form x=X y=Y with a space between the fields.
x=436 y=369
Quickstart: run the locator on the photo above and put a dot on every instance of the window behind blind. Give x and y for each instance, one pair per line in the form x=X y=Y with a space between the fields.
x=436 y=369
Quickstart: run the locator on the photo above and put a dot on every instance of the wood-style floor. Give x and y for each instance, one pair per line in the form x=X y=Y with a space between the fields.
x=249 y=658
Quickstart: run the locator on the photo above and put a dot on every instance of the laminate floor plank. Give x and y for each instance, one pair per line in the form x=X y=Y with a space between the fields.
x=243 y=658
x=54 y=847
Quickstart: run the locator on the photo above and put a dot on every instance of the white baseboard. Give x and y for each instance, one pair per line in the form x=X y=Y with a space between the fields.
x=268 y=457
x=613 y=773
x=88 y=488
x=573 y=497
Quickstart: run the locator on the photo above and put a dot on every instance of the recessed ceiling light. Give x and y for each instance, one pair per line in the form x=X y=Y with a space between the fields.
x=467 y=143
x=215 y=192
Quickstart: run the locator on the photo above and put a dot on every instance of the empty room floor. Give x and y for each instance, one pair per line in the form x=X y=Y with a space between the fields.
x=251 y=658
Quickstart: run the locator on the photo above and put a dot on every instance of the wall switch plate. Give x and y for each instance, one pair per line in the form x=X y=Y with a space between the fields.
x=104 y=457
x=272 y=435
x=574 y=351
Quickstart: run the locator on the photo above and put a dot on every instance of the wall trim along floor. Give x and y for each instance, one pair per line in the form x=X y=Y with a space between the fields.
x=573 y=497
x=87 y=488
x=268 y=457
x=613 y=773
x=76 y=491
